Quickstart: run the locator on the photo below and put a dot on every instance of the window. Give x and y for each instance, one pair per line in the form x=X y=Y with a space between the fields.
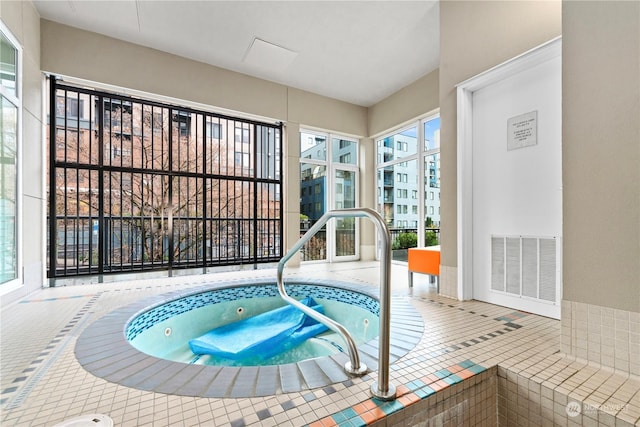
x=114 y=173
x=72 y=107
x=242 y=159
x=409 y=164
x=214 y=130
x=329 y=165
x=10 y=103
x=242 y=133
x=344 y=151
x=431 y=158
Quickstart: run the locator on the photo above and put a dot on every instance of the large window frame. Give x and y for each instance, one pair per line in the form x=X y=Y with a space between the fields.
x=328 y=159
x=11 y=223
x=397 y=162
x=141 y=185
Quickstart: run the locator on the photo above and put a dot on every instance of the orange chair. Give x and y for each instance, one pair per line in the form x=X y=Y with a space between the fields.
x=426 y=261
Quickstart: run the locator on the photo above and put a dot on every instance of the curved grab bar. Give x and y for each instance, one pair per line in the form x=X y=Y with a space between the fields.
x=381 y=389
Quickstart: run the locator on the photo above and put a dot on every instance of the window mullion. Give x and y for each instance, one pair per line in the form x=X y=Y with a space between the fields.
x=422 y=156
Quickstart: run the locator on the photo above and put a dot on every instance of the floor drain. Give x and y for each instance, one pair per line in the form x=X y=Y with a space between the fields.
x=90 y=420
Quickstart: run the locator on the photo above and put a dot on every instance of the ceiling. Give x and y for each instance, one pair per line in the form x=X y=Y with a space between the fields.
x=359 y=52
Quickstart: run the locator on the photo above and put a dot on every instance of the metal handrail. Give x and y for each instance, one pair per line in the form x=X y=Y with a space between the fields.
x=381 y=388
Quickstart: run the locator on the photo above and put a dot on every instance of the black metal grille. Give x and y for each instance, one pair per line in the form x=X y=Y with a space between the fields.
x=137 y=185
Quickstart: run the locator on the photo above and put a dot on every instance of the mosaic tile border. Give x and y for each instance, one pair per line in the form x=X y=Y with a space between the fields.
x=373 y=409
x=508 y=326
x=157 y=314
x=103 y=350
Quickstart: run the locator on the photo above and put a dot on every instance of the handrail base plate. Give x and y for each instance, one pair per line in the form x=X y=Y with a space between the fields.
x=379 y=394
x=348 y=368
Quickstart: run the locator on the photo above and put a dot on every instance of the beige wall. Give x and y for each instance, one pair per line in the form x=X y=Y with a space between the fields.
x=475 y=36
x=414 y=100
x=73 y=52
x=23 y=21
x=601 y=153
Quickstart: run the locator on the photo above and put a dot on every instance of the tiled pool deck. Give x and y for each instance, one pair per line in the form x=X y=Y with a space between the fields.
x=42 y=382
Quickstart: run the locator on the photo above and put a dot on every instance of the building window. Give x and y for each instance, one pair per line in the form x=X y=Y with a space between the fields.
x=345 y=158
x=214 y=130
x=73 y=108
x=242 y=132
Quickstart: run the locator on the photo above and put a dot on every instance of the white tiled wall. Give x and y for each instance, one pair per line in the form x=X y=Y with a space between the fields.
x=593 y=398
x=603 y=335
x=469 y=403
x=449 y=281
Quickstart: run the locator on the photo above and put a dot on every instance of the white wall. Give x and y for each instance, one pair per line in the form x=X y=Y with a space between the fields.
x=475 y=36
x=515 y=191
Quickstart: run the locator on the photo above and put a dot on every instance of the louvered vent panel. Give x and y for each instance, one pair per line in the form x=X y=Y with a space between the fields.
x=530 y=267
x=513 y=265
x=525 y=266
x=497 y=263
x=548 y=284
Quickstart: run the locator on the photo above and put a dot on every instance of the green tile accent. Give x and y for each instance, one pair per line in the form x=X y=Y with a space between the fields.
x=442 y=373
x=415 y=385
x=452 y=379
x=357 y=421
x=389 y=407
x=466 y=363
x=476 y=369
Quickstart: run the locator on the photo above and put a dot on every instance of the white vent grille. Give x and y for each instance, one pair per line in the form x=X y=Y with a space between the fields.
x=525 y=267
x=497 y=263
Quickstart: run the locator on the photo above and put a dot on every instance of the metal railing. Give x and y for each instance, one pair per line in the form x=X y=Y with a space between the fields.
x=381 y=388
x=138 y=185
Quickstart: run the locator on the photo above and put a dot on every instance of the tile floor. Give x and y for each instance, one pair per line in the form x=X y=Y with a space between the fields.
x=42 y=383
